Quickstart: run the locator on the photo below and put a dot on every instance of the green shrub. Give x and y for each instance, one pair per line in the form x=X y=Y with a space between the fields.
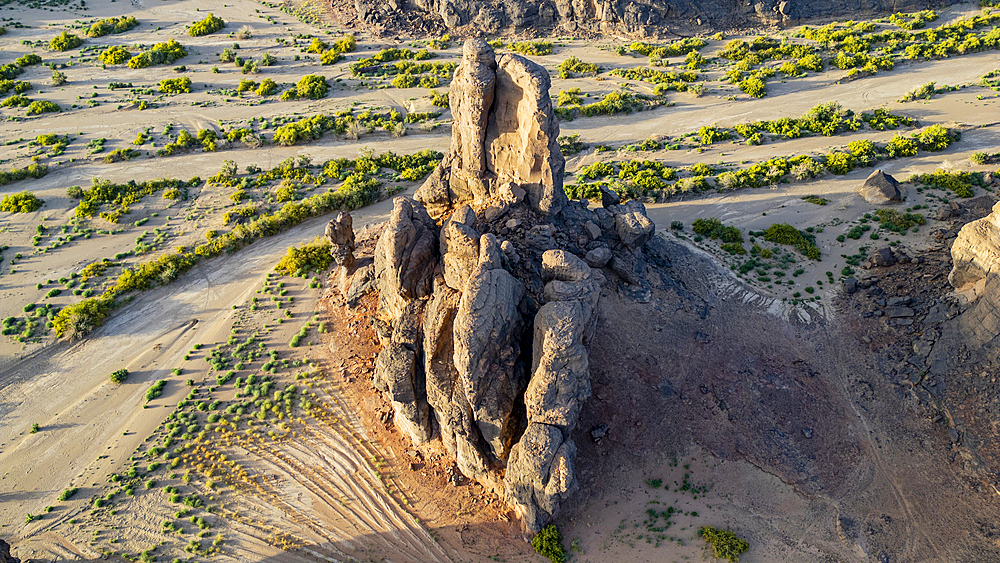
x=16 y=101
x=118 y=376
x=67 y=494
x=935 y=138
x=901 y=146
x=714 y=229
x=548 y=543
x=22 y=202
x=312 y=86
x=573 y=66
x=64 y=42
x=115 y=55
x=571 y=97
x=180 y=85
x=34 y=170
x=111 y=25
x=267 y=87
x=534 y=48
x=897 y=221
x=28 y=60
x=864 y=152
x=725 y=544
x=18 y=87
x=753 y=87
x=210 y=24
x=155 y=391
x=840 y=162
x=783 y=233
x=42 y=106
x=709 y=135
x=440 y=100
x=404 y=80
x=962 y=183
x=160 y=53
x=311 y=256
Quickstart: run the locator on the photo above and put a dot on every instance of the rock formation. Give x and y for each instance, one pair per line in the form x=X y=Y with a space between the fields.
x=340 y=233
x=976 y=251
x=488 y=289
x=5 y=556
x=881 y=189
x=634 y=17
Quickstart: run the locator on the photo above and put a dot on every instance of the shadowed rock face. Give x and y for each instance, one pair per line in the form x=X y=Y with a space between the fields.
x=484 y=336
x=5 y=556
x=632 y=17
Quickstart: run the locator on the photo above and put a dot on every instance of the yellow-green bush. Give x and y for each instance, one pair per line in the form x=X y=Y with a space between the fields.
x=210 y=24
x=725 y=544
x=22 y=202
x=312 y=86
x=180 y=85
x=311 y=256
x=267 y=87
x=42 y=106
x=115 y=55
x=160 y=53
x=111 y=25
x=65 y=41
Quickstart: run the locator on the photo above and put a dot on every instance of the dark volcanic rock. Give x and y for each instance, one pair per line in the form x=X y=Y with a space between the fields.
x=880 y=189
x=5 y=556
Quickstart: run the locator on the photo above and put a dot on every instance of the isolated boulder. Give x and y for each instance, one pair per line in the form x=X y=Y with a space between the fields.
x=340 y=233
x=881 y=189
x=976 y=251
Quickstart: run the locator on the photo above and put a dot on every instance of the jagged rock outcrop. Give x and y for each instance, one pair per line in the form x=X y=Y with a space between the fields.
x=502 y=113
x=881 y=189
x=5 y=556
x=486 y=305
x=633 y=17
x=340 y=233
x=976 y=251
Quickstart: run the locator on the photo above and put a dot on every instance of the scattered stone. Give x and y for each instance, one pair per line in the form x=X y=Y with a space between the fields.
x=850 y=285
x=897 y=311
x=807 y=432
x=593 y=231
x=881 y=258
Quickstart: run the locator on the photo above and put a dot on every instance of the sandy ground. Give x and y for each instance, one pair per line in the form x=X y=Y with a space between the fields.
x=341 y=508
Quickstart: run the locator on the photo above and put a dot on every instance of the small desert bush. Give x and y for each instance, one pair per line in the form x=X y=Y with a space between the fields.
x=64 y=42
x=22 y=202
x=210 y=24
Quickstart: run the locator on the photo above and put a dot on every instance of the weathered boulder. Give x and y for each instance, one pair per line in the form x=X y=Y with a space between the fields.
x=487 y=333
x=540 y=475
x=340 y=233
x=976 y=251
x=634 y=228
x=405 y=256
x=521 y=137
x=881 y=189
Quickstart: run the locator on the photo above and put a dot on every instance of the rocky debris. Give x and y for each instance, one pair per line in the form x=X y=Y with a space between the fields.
x=340 y=233
x=976 y=252
x=5 y=556
x=489 y=288
x=504 y=138
x=643 y=18
x=881 y=189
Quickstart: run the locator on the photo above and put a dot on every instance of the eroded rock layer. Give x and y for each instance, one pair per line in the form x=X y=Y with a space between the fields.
x=632 y=17
x=489 y=284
